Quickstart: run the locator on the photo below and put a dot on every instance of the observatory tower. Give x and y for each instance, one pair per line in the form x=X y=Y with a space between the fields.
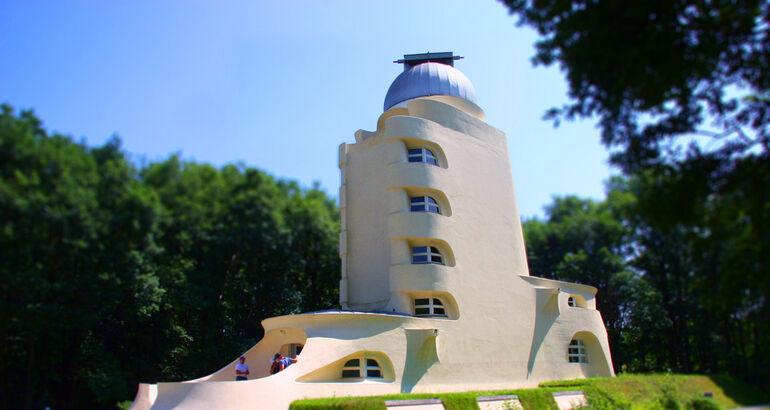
x=435 y=290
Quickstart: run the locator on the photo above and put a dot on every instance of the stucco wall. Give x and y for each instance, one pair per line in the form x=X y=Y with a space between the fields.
x=503 y=328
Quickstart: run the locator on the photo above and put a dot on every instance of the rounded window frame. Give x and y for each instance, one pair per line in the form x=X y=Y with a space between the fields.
x=422 y=155
x=431 y=305
x=424 y=203
x=432 y=255
x=363 y=367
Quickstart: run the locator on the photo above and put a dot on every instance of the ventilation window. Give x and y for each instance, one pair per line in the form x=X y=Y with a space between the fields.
x=354 y=368
x=576 y=301
x=426 y=254
x=424 y=204
x=577 y=351
x=429 y=307
x=422 y=155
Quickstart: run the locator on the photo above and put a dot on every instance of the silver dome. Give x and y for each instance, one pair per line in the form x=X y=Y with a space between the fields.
x=429 y=79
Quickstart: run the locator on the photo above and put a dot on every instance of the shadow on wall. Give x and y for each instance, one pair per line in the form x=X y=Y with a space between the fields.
x=421 y=354
x=545 y=315
x=596 y=361
x=336 y=371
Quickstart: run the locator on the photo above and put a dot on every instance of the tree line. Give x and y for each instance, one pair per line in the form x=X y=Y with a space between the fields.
x=679 y=249
x=681 y=270
x=113 y=273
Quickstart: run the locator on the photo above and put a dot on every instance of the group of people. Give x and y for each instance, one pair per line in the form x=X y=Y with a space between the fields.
x=277 y=363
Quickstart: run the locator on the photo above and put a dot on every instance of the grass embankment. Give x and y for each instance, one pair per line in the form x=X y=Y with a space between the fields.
x=623 y=392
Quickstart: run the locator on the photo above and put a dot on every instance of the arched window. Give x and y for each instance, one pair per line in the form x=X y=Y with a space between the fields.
x=355 y=368
x=422 y=155
x=576 y=352
x=424 y=204
x=429 y=307
x=426 y=254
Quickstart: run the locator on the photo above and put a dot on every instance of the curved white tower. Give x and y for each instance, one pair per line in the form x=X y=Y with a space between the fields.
x=435 y=289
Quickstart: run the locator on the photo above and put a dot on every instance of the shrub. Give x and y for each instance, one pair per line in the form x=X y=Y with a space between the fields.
x=703 y=403
x=537 y=400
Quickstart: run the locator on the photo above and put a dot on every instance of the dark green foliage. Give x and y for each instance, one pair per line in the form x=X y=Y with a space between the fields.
x=111 y=275
x=741 y=392
x=669 y=399
x=652 y=71
x=702 y=274
x=702 y=403
x=707 y=256
x=681 y=92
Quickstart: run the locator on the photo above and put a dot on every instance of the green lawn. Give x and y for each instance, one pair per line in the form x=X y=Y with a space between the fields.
x=654 y=391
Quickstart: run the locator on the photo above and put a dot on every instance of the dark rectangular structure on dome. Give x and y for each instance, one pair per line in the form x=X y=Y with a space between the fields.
x=411 y=60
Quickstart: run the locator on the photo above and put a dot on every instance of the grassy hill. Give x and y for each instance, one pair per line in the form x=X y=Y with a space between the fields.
x=656 y=391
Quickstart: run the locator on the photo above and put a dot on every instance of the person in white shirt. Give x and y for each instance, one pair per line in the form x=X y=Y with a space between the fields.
x=241 y=369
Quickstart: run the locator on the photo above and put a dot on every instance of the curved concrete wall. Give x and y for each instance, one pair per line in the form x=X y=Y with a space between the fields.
x=502 y=328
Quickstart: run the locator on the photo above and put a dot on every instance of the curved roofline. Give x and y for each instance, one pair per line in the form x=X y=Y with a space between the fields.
x=429 y=79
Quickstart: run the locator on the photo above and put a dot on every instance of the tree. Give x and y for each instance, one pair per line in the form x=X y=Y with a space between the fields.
x=76 y=227
x=682 y=97
x=704 y=248
x=112 y=274
x=653 y=71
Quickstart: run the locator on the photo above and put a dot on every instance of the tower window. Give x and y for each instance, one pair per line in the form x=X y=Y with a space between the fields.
x=426 y=254
x=354 y=368
x=424 y=204
x=429 y=307
x=576 y=352
x=422 y=155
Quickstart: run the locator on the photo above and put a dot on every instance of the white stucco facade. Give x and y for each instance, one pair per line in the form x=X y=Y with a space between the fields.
x=436 y=294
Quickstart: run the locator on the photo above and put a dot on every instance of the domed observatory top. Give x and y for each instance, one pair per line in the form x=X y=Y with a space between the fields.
x=432 y=74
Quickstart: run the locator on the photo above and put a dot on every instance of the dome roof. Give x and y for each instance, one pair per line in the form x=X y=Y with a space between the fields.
x=429 y=79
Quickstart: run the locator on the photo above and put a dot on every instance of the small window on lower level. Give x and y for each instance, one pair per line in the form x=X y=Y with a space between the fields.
x=373 y=370
x=429 y=307
x=571 y=302
x=427 y=254
x=352 y=368
x=576 y=352
x=355 y=368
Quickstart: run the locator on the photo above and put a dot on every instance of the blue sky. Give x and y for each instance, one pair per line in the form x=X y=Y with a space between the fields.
x=279 y=85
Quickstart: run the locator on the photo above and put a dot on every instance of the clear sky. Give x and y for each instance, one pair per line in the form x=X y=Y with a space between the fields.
x=279 y=85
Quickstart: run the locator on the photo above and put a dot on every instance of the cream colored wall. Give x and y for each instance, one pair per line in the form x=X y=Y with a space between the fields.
x=481 y=239
x=504 y=328
x=366 y=239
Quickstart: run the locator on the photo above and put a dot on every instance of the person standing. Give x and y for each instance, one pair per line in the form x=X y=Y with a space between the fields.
x=241 y=369
x=280 y=363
